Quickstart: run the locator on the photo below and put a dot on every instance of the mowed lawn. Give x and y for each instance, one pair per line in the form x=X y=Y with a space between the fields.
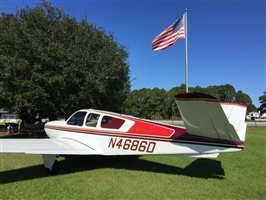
x=238 y=175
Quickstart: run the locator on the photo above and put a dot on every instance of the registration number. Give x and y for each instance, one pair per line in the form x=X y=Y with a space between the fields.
x=133 y=145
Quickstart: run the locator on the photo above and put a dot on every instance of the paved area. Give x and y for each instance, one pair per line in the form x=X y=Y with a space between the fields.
x=256 y=123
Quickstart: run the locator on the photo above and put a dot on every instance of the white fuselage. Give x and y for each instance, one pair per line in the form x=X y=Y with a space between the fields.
x=121 y=142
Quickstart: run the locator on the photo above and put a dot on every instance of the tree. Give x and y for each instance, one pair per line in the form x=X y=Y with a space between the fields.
x=262 y=100
x=52 y=65
x=160 y=104
x=225 y=93
x=147 y=103
x=154 y=103
x=245 y=99
x=173 y=111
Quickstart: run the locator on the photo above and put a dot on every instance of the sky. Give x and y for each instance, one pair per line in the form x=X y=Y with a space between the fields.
x=226 y=39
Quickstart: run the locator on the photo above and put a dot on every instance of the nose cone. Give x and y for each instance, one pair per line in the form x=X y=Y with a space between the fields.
x=56 y=123
x=51 y=128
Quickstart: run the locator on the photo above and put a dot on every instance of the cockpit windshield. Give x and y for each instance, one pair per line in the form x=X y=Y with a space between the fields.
x=77 y=119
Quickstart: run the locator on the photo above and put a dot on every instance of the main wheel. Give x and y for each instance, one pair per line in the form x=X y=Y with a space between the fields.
x=55 y=167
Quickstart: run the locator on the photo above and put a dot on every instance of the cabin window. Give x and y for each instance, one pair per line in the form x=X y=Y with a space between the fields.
x=92 y=120
x=77 y=119
x=111 y=122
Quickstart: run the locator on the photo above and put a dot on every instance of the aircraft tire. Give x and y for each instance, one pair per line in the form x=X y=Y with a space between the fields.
x=55 y=168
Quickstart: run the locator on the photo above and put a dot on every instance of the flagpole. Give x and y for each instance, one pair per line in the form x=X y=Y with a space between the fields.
x=186 y=50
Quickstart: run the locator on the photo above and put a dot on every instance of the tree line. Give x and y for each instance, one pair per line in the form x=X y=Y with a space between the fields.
x=158 y=103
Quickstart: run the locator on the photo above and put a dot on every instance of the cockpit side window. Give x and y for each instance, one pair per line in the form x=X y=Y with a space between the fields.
x=77 y=119
x=111 y=122
x=92 y=120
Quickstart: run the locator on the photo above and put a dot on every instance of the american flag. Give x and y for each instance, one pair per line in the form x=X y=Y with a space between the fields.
x=170 y=35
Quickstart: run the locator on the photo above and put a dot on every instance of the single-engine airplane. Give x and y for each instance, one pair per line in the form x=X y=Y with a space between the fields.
x=211 y=128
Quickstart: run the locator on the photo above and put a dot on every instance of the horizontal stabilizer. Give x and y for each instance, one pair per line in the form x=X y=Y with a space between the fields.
x=60 y=146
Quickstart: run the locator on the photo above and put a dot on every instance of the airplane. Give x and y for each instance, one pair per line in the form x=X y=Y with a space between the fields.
x=211 y=128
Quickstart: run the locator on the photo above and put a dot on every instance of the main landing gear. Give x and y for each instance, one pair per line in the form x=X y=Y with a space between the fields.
x=51 y=163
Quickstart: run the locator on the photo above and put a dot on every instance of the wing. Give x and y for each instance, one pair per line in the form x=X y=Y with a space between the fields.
x=63 y=146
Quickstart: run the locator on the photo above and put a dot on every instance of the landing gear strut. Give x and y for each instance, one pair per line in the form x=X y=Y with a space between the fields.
x=50 y=162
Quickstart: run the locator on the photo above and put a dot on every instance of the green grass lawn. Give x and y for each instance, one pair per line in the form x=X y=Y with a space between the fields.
x=238 y=175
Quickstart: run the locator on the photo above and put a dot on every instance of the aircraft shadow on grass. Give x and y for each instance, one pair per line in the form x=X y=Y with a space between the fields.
x=200 y=168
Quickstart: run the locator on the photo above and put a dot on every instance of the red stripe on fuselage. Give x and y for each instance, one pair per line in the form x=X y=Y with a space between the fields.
x=150 y=129
x=176 y=138
x=179 y=131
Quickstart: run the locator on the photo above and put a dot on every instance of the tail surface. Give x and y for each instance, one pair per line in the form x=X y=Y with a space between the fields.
x=235 y=114
x=204 y=115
